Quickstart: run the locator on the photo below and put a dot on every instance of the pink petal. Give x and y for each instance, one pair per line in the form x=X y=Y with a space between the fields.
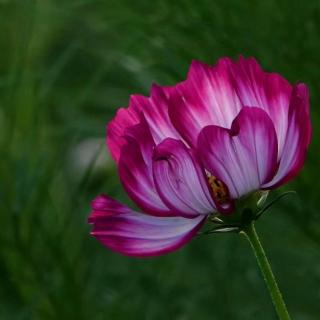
x=139 y=235
x=297 y=138
x=124 y=118
x=215 y=95
x=155 y=110
x=244 y=157
x=101 y=210
x=179 y=179
x=135 y=170
x=269 y=91
x=207 y=97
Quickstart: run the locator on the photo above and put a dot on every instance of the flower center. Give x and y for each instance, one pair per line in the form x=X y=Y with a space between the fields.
x=219 y=189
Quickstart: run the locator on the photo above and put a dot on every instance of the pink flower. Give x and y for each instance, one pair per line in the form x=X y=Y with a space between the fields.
x=191 y=150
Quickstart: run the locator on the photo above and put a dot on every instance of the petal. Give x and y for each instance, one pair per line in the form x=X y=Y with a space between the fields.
x=207 y=97
x=115 y=129
x=179 y=179
x=269 y=91
x=155 y=110
x=99 y=208
x=139 y=235
x=215 y=95
x=135 y=170
x=297 y=138
x=244 y=157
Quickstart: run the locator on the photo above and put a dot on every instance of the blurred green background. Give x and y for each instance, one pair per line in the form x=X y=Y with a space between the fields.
x=65 y=67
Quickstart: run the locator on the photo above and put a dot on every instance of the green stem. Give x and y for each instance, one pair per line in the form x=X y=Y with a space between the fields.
x=278 y=302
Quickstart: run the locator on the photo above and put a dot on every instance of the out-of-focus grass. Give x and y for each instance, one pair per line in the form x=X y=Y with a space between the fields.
x=65 y=66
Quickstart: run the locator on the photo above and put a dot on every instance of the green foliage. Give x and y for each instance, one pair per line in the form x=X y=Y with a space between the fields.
x=65 y=67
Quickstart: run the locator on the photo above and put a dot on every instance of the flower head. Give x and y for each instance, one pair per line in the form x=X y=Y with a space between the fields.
x=192 y=150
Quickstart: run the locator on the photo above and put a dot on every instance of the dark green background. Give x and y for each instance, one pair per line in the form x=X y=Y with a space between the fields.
x=65 y=67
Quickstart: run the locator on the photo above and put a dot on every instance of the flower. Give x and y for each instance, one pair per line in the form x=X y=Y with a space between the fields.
x=191 y=150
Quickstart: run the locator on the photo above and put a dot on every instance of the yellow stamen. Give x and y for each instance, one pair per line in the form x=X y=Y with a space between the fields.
x=219 y=189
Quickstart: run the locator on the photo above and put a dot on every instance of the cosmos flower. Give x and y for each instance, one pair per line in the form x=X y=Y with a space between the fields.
x=192 y=150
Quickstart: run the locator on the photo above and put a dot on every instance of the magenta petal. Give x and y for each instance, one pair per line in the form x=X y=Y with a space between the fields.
x=100 y=209
x=268 y=91
x=155 y=111
x=179 y=179
x=135 y=170
x=214 y=96
x=124 y=118
x=297 y=138
x=244 y=157
x=140 y=235
x=207 y=97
